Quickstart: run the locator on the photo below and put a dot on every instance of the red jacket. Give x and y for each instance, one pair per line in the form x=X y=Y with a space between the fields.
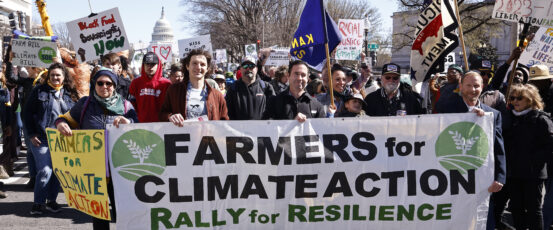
x=149 y=94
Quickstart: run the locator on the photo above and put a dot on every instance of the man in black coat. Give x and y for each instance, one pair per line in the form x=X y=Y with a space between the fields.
x=295 y=102
x=471 y=88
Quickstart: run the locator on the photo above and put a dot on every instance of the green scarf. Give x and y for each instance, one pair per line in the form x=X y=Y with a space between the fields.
x=113 y=103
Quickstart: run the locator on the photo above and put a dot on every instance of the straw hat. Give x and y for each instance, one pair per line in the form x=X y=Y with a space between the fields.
x=539 y=72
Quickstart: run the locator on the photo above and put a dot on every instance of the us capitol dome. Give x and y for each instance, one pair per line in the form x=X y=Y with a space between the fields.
x=163 y=33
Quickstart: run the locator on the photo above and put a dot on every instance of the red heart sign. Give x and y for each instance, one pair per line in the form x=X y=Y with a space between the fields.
x=164 y=51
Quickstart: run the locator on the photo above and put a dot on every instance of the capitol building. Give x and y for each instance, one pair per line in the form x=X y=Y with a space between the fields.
x=163 y=32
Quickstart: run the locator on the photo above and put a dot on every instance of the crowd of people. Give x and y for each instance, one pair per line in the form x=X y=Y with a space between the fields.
x=195 y=90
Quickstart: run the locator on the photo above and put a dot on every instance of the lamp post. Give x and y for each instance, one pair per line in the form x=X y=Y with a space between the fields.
x=367 y=25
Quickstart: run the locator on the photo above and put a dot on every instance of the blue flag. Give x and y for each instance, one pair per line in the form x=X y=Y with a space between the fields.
x=308 y=44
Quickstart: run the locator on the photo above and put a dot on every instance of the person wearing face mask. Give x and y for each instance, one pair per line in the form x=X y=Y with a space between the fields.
x=46 y=102
x=528 y=133
x=295 y=102
x=393 y=98
x=247 y=97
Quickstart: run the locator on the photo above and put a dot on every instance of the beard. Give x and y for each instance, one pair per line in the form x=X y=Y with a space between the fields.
x=248 y=74
x=391 y=87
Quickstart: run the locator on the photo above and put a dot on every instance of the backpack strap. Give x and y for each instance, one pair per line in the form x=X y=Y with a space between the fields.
x=83 y=111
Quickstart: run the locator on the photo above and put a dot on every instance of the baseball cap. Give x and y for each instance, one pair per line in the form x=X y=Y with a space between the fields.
x=150 y=58
x=248 y=60
x=391 y=68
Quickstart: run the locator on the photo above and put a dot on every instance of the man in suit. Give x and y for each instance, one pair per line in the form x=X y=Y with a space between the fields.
x=470 y=89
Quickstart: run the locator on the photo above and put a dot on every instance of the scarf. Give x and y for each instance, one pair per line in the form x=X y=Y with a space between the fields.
x=523 y=112
x=56 y=87
x=113 y=103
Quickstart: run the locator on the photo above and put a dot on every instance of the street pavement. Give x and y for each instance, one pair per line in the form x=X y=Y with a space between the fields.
x=14 y=210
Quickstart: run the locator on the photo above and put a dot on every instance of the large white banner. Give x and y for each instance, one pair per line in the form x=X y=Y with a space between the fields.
x=352 y=39
x=535 y=12
x=540 y=49
x=413 y=172
x=98 y=35
x=200 y=42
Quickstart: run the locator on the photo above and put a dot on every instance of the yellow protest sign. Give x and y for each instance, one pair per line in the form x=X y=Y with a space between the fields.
x=79 y=163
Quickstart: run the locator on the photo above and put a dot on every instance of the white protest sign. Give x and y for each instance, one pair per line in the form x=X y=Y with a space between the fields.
x=221 y=56
x=378 y=173
x=535 y=12
x=540 y=50
x=278 y=57
x=352 y=39
x=33 y=53
x=232 y=66
x=201 y=42
x=163 y=50
x=449 y=60
x=251 y=51
x=95 y=36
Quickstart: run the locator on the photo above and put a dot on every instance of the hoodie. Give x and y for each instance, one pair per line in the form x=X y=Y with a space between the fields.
x=149 y=94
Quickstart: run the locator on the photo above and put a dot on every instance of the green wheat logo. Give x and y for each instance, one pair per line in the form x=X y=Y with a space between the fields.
x=462 y=146
x=138 y=153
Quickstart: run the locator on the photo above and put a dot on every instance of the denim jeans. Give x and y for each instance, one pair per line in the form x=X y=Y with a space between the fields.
x=548 y=204
x=30 y=159
x=47 y=185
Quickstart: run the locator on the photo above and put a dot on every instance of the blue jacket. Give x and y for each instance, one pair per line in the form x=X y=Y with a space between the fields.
x=455 y=104
x=95 y=116
x=38 y=110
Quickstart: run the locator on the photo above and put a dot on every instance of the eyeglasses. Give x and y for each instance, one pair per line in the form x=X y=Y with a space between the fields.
x=391 y=78
x=519 y=98
x=101 y=83
x=248 y=66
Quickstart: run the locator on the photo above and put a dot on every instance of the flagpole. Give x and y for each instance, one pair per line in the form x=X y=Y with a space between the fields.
x=461 y=36
x=331 y=89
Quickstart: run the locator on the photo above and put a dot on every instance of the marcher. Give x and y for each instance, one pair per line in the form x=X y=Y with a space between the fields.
x=102 y=107
x=247 y=97
x=193 y=98
x=354 y=106
x=339 y=87
x=46 y=102
x=222 y=83
x=149 y=89
x=295 y=102
x=528 y=133
x=470 y=88
x=175 y=73
x=113 y=62
x=280 y=79
x=394 y=98
x=451 y=87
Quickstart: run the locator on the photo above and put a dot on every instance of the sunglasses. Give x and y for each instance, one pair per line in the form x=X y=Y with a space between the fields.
x=391 y=78
x=248 y=66
x=519 y=98
x=101 y=83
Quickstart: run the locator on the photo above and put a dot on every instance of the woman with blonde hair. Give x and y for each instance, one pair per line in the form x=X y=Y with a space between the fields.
x=528 y=134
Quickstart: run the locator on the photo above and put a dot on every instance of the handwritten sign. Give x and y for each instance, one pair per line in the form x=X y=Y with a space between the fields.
x=201 y=42
x=278 y=57
x=535 y=12
x=98 y=35
x=163 y=51
x=540 y=50
x=79 y=163
x=352 y=43
x=34 y=53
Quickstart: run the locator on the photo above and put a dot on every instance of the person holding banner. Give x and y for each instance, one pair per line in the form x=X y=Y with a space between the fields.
x=528 y=133
x=102 y=107
x=193 y=98
x=295 y=102
x=46 y=102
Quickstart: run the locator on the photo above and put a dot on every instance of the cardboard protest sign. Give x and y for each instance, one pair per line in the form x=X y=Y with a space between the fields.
x=233 y=66
x=201 y=42
x=535 y=12
x=351 y=46
x=278 y=57
x=540 y=49
x=163 y=51
x=220 y=56
x=98 y=35
x=33 y=53
x=403 y=173
x=251 y=51
x=79 y=163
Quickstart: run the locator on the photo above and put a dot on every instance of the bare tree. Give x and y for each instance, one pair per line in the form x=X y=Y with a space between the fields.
x=235 y=23
x=60 y=30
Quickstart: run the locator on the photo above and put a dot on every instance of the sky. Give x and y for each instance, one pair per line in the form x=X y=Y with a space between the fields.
x=140 y=16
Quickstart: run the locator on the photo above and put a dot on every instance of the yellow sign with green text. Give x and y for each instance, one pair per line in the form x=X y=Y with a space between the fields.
x=79 y=163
